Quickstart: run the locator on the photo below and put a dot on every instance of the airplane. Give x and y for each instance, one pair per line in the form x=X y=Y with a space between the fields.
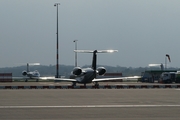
x=88 y=75
x=156 y=65
x=27 y=74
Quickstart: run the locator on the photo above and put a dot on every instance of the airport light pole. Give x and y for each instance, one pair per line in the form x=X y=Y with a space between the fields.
x=165 y=62
x=57 y=65
x=75 y=41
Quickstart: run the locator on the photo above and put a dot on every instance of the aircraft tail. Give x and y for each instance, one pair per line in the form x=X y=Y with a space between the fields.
x=94 y=60
x=27 y=67
x=28 y=64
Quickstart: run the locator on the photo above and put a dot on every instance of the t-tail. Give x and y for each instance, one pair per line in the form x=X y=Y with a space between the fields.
x=27 y=67
x=94 y=59
x=28 y=64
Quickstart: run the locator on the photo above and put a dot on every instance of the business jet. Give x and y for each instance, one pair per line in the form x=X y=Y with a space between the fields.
x=157 y=65
x=27 y=74
x=88 y=75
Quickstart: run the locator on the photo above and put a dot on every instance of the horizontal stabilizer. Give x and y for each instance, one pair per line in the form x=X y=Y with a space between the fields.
x=34 y=63
x=97 y=51
x=155 y=65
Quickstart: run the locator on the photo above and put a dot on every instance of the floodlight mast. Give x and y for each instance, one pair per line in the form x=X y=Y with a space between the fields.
x=57 y=56
x=75 y=41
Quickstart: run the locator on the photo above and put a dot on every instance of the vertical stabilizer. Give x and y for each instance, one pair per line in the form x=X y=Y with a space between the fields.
x=94 y=60
x=28 y=64
x=27 y=67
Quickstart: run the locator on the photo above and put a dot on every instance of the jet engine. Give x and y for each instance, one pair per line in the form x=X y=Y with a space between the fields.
x=77 y=71
x=101 y=70
x=24 y=73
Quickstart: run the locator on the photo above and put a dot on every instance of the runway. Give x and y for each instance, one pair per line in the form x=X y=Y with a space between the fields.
x=90 y=104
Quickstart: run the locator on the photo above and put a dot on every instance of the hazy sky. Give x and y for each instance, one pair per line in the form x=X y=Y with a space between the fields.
x=143 y=31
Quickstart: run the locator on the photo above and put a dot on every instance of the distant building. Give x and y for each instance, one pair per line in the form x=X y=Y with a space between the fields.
x=5 y=77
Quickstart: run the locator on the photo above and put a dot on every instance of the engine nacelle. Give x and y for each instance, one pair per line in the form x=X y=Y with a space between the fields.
x=101 y=70
x=24 y=73
x=77 y=71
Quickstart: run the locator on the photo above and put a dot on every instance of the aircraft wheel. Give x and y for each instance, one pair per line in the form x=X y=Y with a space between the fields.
x=96 y=84
x=73 y=83
x=37 y=80
x=26 y=80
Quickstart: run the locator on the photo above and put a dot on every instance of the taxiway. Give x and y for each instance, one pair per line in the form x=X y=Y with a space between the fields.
x=90 y=104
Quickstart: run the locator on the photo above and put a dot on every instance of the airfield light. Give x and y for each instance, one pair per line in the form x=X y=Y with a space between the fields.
x=57 y=65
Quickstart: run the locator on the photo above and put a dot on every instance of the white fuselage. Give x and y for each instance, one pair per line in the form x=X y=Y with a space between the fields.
x=34 y=74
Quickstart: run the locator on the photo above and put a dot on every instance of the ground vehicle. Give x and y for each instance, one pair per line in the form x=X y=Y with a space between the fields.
x=152 y=76
x=170 y=77
x=178 y=77
x=147 y=77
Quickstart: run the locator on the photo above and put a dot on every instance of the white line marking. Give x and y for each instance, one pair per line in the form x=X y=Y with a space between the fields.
x=90 y=106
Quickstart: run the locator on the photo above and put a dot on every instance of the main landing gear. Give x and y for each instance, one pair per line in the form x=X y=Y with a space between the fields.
x=73 y=84
x=96 y=84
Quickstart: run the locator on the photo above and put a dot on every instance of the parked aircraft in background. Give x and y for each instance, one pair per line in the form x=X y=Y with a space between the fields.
x=88 y=75
x=157 y=65
x=27 y=74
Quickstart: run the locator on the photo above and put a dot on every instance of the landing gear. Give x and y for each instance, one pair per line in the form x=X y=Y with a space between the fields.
x=37 y=80
x=73 y=83
x=26 y=80
x=96 y=84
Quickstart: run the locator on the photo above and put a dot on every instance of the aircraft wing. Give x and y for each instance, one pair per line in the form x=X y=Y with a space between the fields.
x=133 y=77
x=64 y=80
x=57 y=79
x=19 y=78
x=39 y=78
x=116 y=79
x=106 y=79
x=46 y=78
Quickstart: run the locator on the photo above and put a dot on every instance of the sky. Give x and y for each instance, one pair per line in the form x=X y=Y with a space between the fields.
x=143 y=31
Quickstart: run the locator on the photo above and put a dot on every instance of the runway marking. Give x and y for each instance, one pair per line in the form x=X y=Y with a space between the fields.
x=91 y=106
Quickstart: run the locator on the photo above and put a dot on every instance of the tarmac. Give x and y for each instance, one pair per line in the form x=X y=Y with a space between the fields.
x=89 y=104
x=68 y=85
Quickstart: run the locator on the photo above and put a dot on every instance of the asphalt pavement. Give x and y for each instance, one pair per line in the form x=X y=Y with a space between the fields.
x=90 y=104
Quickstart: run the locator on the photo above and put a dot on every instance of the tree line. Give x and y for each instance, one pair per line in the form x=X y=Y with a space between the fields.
x=65 y=70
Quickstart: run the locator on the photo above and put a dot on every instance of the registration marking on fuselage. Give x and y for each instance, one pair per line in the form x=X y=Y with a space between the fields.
x=91 y=106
